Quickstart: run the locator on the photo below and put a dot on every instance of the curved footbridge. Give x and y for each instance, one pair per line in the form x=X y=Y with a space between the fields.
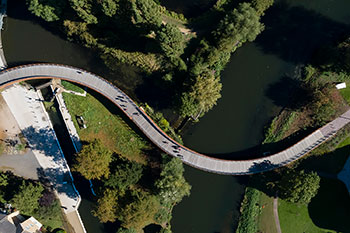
x=161 y=139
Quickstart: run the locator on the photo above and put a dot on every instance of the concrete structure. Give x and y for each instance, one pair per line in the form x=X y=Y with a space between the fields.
x=15 y=223
x=3 y=6
x=161 y=139
x=34 y=122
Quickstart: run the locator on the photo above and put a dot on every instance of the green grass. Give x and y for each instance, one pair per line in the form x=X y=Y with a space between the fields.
x=346 y=92
x=266 y=221
x=113 y=131
x=328 y=211
x=71 y=87
x=295 y=218
x=276 y=131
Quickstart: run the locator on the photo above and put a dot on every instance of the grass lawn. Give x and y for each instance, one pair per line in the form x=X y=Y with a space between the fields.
x=110 y=127
x=346 y=92
x=266 y=221
x=295 y=218
x=329 y=211
x=71 y=87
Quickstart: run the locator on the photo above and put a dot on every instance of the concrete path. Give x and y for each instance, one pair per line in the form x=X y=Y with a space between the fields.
x=275 y=214
x=160 y=138
x=24 y=165
x=68 y=121
x=33 y=120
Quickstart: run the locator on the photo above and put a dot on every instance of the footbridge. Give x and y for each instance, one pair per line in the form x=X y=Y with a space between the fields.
x=161 y=139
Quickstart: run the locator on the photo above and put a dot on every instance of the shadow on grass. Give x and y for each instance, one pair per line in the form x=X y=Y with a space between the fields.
x=331 y=162
x=330 y=208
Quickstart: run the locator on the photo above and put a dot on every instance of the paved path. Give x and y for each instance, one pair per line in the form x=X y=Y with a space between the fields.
x=3 y=6
x=33 y=120
x=275 y=214
x=162 y=140
x=25 y=165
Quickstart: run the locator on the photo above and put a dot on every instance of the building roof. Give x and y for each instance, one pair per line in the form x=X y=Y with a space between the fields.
x=13 y=223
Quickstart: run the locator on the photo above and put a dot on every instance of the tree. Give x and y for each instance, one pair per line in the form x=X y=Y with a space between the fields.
x=109 y=7
x=83 y=8
x=140 y=211
x=202 y=97
x=49 y=10
x=298 y=186
x=3 y=183
x=125 y=174
x=171 y=40
x=243 y=24
x=262 y=5
x=27 y=198
x=123 y=230
x=146 y=12
x=171 y=185
x=93 y=160
x=106 y=206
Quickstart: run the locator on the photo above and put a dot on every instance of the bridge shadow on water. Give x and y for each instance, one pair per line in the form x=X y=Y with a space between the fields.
x=293 y=32
x=265 y=150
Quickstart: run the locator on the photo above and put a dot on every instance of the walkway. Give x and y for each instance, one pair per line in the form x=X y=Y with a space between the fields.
x=33 y=120
x=3 y=6
x=275 y=214
x=162 y=140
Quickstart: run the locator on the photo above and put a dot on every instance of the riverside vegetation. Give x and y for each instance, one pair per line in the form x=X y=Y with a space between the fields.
x=182 y=64
x=136 y=184
x=304 y=186
x=31 y=198
x=180 y=59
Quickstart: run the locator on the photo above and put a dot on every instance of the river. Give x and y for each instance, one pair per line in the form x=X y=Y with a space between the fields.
x=294 y=28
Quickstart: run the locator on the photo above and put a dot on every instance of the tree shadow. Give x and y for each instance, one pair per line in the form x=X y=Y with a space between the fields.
x=331 y=162
x=288 y=93
x=330 y=208
x=292 y=32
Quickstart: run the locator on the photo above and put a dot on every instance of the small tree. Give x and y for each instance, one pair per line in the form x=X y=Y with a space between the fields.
x=93 y=160
x=27 y=199
x=3 y=183
x=298 y=186
x=171 y=185
x=106 y=207
x=125 y=174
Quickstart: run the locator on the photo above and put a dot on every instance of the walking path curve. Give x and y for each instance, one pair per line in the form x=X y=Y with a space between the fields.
x=275 y=214
x=161 y=139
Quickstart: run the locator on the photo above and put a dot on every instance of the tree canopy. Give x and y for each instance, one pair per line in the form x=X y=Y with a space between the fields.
x=171 y=185
x=93 y=160
x=124 y=175
x=299 y=186
x=202 y=97
x=106 y=206
x=27 y=198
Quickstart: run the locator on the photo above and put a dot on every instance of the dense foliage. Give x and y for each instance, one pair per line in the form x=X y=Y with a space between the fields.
x=124 y=198
x=249 y=211
x=93 y=160
x=31 y=199
x=146 y=35
x=299 y=186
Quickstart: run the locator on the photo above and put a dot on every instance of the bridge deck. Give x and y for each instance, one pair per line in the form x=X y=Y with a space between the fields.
x=162 y=140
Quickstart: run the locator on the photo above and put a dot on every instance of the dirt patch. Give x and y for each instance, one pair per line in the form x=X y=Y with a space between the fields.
x=11 y=141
